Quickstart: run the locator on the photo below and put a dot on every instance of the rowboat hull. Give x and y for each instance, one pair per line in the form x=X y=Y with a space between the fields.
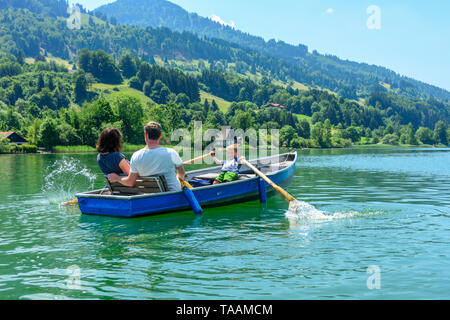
x=93 y=203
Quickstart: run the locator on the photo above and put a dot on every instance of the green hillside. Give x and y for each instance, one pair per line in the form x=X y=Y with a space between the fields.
x=111 y=91
x=222 y=103
x=349 y=79
x=77 y=82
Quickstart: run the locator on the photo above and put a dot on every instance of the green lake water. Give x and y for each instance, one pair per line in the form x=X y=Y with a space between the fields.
x=383 y=209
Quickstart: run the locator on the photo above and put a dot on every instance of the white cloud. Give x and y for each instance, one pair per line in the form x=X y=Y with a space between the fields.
x=330 y=10
x=217 y=19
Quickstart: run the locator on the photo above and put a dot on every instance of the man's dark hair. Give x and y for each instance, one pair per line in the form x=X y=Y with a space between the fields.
x=110 y=140
x=153 y=130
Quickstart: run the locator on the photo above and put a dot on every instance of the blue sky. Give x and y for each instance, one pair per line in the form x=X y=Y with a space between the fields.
x=413 y=39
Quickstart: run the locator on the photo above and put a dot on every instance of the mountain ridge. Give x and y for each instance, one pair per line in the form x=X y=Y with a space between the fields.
x=182 y=20
x=350 y=80
x=154 y=13
x=114 y=59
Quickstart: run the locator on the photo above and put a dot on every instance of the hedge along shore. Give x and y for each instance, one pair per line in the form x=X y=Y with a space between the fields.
x=14 y=148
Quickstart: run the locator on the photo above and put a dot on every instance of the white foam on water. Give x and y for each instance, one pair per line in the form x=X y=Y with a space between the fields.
x=65 y=178
x=303 y=211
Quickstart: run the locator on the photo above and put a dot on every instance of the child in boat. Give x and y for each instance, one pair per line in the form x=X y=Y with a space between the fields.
x=109 y=158
x=230 y=168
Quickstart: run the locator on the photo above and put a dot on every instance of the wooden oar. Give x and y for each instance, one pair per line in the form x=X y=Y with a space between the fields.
x=196 y=159
x=73 y=202
x=292 y=201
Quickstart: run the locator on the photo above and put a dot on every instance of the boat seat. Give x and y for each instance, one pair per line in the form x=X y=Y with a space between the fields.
x=143 y=185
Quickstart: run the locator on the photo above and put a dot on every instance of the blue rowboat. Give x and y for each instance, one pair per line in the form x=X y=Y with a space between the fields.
x=280 y=169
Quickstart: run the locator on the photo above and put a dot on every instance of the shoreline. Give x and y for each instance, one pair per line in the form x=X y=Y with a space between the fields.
x=82 y=149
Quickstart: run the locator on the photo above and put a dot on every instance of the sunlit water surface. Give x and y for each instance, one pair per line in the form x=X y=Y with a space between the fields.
x=388 y=208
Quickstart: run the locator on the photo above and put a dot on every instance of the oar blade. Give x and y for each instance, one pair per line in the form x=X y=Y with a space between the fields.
x=293 y=206
x=73 y=202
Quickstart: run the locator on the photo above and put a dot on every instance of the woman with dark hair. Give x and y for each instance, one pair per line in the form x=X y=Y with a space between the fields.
x=110 y=159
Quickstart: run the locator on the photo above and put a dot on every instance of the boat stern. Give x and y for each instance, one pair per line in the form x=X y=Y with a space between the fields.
x=104 y=206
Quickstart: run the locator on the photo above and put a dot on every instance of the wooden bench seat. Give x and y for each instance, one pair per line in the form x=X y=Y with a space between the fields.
x=143 y=185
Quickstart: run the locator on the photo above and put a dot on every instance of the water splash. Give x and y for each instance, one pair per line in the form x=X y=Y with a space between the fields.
x=303 y=211
x=65 y=178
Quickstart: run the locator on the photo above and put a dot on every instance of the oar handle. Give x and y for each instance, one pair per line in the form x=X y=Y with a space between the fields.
x=280 y=190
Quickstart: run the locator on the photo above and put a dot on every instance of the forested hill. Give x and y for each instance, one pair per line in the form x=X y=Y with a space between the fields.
x=52 y=8
x=161 y=13
x=33 y=34
x=38 y=31
x=123 y=76
x=352 y=79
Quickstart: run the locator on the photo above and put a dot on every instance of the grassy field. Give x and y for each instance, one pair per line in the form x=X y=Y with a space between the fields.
x=132 y=147
x=88 y=149
x=129 y=148
x=110 y=91
x=303 y=117
x=223 y=104
x=73 y=149
x=381 y=145
x=85 y=20
x=387 y=86
x=63 y=62
x=192 y=67
x=300 y=86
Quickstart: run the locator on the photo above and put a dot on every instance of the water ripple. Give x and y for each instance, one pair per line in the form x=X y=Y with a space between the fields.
x=359 y=208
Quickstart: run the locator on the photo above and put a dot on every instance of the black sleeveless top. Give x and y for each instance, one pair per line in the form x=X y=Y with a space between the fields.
x=109 y=162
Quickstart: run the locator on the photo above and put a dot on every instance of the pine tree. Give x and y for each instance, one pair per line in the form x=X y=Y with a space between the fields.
x=127 y=65
x=206 y=107
x=48 y=133
x=410 y=135
x=214 y=106
x=440 y=133
x=40 y=83
x=20 y=59
x=51 y=86
x=80 y=89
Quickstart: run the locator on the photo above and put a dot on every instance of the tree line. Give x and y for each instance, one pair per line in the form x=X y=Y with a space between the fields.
x=21 y=30
x=51 y=106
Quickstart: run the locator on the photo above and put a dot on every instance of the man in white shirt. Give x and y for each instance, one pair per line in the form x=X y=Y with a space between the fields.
x=154 y=160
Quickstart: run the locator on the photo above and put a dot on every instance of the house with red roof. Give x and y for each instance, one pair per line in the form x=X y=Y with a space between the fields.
x=276 y=105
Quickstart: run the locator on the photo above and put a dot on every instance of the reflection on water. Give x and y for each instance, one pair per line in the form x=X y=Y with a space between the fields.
x=388 y=208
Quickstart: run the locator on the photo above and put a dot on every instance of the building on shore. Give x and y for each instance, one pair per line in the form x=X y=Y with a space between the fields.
x=13 y=137
x=275 y=105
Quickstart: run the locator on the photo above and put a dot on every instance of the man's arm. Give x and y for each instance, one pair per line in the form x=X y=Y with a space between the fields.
x=127 y=181
x=181 y=174
x=178 y=163
x=124 y=166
